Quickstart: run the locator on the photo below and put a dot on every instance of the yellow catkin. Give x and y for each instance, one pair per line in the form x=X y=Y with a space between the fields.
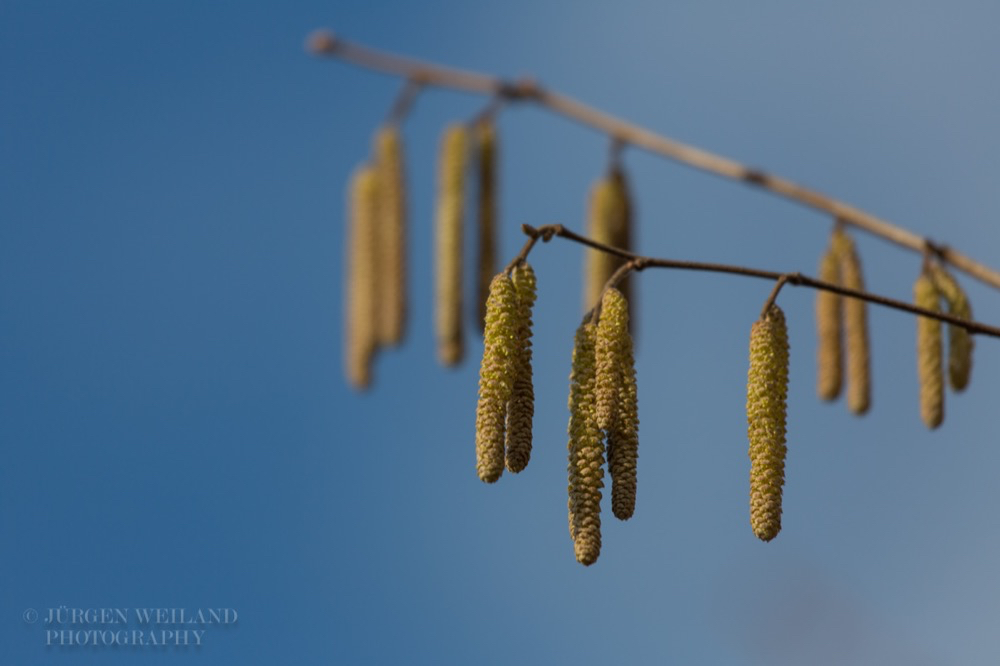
x=486 y=154
x=612 y=334
x=586 y=451
x=855 y=326
x=360 y=336
x=960 y=342
x=929 y=364
x=450 y=209
x=521 y=410
x=767 y=394
x=496 y=376
x=829 y=330
x=392 y=235
x=623 y=439
x=610 y=222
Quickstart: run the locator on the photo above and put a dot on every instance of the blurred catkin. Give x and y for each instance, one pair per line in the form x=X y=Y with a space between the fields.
x=586 y=450
x=496 y=376
x=767 y=394
x=829 y=329
x=610 y=222
x=929 y=363
x=855 y=325
x=486 y=157
x=959 y=340
x=361 y=333
x=623 y=439
x=521 y=410
x=392 y=235
x=450 y=208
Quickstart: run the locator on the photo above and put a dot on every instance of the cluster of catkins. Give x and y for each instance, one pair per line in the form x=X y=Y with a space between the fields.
x=376 y=257
x=604 y=418
x=933 y=286
x=376 y=246
x=506 y=404
x=840 y=318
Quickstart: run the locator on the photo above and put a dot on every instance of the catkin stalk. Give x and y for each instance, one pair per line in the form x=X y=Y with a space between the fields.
x=929 y=364
x=496 y=376
x=855 y=326
x=486 y=153
x=767 y=394
x=392 y=235
x=586 y=451
x=361 y=333
x=449 y=245
x=521 y=410
x=960 y=342
x=829 y=329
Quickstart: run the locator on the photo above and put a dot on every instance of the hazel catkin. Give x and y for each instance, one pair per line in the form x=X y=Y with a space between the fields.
x=767 y=394
x=609 y=222
x=855 y=326
x=521 y=409
x=450 y=210
x=829 y=330
x=586 y=450
x=496 y=377
x=623 y=439
x=486 y=157
x=361 y=332
x=960 y=342
x=929 y=364
x=392 y=235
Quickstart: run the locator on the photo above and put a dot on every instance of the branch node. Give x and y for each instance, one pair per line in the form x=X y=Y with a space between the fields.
x=322 y=41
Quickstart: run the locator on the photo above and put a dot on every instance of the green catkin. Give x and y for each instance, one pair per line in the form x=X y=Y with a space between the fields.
x=450 y=208
x=521 y=410
x=929 y=364
x=767 y=394
x=361 y=333
x=586 y=450
x=829 y=329
x=960 y=342
x=392 y=235
x=610 y=222
x=486 y=153
x=855 y=326
x=612 y=334
x=496 y=376
x=623 y=439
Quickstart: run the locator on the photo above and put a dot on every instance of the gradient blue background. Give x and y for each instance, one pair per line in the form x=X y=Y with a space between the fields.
x=175 y=425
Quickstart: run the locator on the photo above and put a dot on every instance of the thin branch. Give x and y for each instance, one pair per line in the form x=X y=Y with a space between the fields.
x=327 y=44
x=404 y=101
x=640 y=262
x=774 y=294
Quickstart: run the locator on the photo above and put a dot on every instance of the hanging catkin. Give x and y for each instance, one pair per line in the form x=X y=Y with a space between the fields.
x=767 y=393
x=829 y=329
x=392 y=235
x=496 y=376
x=486 y=154
x=612 y=332
x=623 y=439
x=521 y=410
x=929 y=365
x=855 y=326
x=610 y=222
x=586 y=451
x=449 y=244
x=361 y=334
x=959 y=340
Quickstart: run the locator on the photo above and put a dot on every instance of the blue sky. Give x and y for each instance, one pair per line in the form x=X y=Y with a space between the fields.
x=176 y=426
